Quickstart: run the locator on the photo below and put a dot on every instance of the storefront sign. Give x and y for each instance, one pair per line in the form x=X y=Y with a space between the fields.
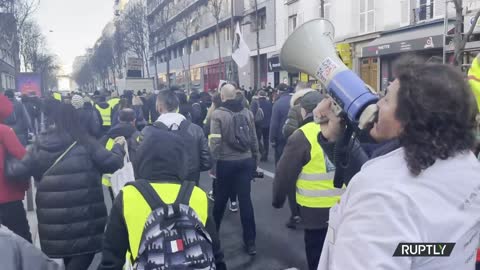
x=274 y=64
x=418 y=44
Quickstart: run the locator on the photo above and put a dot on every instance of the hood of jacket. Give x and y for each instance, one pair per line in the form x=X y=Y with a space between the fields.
x=51 y=141
x=298 y=95
x=233 y=105
x=171 y=120
x=122 y=129
x=103 y=105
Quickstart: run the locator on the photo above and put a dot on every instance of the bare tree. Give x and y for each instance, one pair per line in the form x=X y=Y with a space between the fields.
x=460 y=39
x=215 y=7
x=161 y=33
x=188 y=25
x=119 y=48
x=135 y=22
x=22 y=10
x=32 y=46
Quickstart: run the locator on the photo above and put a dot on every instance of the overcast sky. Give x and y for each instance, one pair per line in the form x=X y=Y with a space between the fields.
x=76 y=25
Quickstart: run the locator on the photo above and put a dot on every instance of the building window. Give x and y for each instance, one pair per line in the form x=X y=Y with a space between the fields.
x=424 y=10
x=327 y=7
x=262 y=20
x=292 y=23
x=196 y=45
x=207 y=41
x=227 y=33
x=367 y=16
x=180 y=51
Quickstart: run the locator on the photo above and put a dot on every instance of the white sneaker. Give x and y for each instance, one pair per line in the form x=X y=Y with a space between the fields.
x=210 y=195
x=234 y=207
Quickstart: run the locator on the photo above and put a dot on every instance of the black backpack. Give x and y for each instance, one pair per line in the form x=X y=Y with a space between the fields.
x=239 y=135
x=182 y=131
x=173 y=237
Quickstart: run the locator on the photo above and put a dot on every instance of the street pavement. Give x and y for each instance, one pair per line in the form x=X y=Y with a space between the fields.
x=278 y=248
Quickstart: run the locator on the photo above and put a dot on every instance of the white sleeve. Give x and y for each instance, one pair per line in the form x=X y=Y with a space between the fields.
x=373 y=221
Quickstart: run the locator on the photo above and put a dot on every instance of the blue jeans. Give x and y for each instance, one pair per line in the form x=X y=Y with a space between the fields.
x=236 y=176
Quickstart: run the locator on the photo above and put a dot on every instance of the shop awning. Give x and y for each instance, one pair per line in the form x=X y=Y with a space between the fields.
x=416 y=38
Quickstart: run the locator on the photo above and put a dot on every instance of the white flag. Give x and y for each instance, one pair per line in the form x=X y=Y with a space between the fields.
x=241 y=52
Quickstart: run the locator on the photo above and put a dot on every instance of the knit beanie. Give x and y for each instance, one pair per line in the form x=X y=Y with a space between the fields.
x=77 y=102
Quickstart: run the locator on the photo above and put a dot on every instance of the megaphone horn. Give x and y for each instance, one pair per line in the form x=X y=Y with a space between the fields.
x=310 y=49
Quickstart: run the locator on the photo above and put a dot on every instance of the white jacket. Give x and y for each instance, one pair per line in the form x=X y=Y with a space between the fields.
x=385 y=205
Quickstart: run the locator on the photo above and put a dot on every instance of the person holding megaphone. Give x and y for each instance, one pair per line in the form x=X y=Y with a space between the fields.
x=422 y=189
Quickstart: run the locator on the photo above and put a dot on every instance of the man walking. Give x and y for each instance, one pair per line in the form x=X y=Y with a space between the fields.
x=199 y=158
x=302 y=167
x=234 y=145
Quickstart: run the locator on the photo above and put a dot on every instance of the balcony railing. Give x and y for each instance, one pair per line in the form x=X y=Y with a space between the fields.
x=423 y=13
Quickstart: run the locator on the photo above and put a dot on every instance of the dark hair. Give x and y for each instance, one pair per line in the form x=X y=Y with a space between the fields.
x=9 y=94
x=405 y=62
x=126 y=115
x=217 y=100
x=437 y=110
x=66 y=120
x=124 y=104
x=169 y=99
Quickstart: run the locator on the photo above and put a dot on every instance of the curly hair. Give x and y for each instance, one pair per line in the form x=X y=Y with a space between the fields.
x=437 y=110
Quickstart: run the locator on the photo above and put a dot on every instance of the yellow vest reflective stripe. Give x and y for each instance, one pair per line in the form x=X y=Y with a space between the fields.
x=57 y=96
x=106 y=177
x=314 y=185
x=136 y=210
x=106 y=115
x=474 y=79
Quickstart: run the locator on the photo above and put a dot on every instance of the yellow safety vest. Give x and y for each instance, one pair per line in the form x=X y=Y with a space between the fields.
x=57 y=96
x=136 y=209
x=474 y=79
x=106 y=177
x=106 y=115
x=314 y=185
x=113 y=102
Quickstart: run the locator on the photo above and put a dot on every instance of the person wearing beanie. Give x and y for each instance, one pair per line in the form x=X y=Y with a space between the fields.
x=12 y=213
x=302 y=169
x=77 y=102
x=90 y=118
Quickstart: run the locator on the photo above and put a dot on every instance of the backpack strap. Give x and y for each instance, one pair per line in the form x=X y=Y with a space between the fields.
x=185 y=193
x=148 y=193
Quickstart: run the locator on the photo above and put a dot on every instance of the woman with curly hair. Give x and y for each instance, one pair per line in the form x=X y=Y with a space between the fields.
x=425 y=191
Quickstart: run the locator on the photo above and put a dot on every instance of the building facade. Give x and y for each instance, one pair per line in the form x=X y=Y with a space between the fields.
x=8 y=48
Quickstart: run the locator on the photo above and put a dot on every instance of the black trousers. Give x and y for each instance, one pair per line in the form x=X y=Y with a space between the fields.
x=313 y=246
x=233 y=196
x=14 y=217
x=263 y=140
x=236 y=175
x=81 y=262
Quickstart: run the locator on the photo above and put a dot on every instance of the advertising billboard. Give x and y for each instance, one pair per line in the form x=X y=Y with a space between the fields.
x=28 y=83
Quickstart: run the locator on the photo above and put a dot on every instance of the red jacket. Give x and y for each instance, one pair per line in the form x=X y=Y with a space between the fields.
x=9 y=143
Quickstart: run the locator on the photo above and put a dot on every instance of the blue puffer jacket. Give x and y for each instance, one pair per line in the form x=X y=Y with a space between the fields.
x=279 y=117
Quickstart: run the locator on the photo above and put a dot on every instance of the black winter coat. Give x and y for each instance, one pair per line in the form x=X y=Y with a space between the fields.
x=71 y=210
x=199 y=157
x=91 y=120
